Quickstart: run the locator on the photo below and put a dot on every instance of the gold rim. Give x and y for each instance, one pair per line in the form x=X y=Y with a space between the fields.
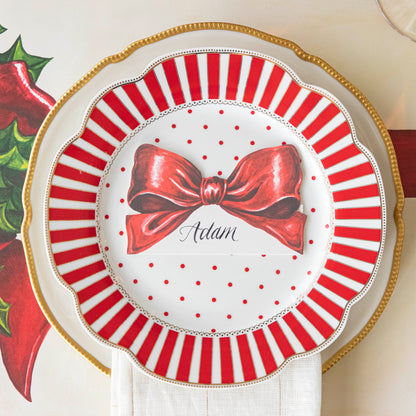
x=266 y=37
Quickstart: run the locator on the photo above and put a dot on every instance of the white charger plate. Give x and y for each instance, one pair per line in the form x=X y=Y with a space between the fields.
x=231 y=334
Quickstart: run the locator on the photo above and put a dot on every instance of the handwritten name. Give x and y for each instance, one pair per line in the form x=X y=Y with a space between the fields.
x=199 y=233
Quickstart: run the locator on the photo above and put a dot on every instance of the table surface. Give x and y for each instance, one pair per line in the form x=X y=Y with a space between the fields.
x=377 y=377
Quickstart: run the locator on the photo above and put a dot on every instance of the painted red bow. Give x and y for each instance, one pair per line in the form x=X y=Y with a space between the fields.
x=263 y=190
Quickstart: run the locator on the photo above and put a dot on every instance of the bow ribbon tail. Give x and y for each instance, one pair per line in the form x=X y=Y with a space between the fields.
x=289 y=231
x=145 y=230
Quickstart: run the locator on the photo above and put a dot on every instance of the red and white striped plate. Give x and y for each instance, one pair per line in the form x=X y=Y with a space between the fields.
x=215 y=311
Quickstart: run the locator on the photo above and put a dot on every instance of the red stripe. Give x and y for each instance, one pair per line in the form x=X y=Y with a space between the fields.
x=348 y=271
x=288 y=98
x=58 y=236
x=192 y=71
x=337 y=134
x=205 y=366
x=301 y=334
x=95 y=288
x=97 y=141
x=246 y=358
x=356 y=193
x=118 y=107
x=265 y=352
x=213 y=75
x=103 y=121
x=156 y=91
x=99 y=310
x=84 y=156
x=133 y=331
x=58 y=214
x=172 y=76
x=253 y=79
x=340 y=156
x=234 y=69
x=368 y=256
x=186 y=357
x=370 y=234
x=327 y=304
x=336 y=287
x=137 y=99
x=72 y=194
x=366 y=213
x=227 y=371
x=83 y=272
x=281 y=340
x=308 y=104
x=76 y=175
x=351 y=173
x=75 y=254
x=272 y=86
x=166 y=353
x=323 y=118
x=320 y=324
x=108 y=330
x=148 y=344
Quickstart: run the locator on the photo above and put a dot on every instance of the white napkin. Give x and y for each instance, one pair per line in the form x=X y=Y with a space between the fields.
x=295 y=392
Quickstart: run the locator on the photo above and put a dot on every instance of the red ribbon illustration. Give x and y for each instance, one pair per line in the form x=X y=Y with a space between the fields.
x=263 y=190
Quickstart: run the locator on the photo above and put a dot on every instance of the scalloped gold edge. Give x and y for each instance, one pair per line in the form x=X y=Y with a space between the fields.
x=266 y=37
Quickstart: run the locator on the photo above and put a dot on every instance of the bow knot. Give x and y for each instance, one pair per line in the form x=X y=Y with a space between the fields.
x=213 y=190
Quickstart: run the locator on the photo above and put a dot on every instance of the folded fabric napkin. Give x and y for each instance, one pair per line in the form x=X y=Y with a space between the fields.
x=295 y=392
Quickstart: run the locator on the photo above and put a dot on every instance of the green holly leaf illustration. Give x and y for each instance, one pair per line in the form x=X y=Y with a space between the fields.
x=35 y=64
x=4 y=318
x=2 y=29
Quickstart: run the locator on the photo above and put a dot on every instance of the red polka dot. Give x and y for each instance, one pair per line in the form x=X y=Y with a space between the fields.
x=123 y=169
x=235 y=157
x=214 y=267
x=245 y=301
x=166 y=282
x=294 y=257
x=214 y=299
x=182 y=298
x=252 y=142
x=157 y=140
x=189 y=111
x=197 y=315
x=252 y=112
x=182 y=266
x=219 y=172
x=237 y=127
x=121 y=232
x=166 y=313
x=122 y=200
x=151 y=264
x=263 y=255
x=230 y=284
x=220 y=142
x=310 y=241
x=276 y=302
x=277 y=271
x=293 y=287
x=120 y=265
x=326 y=225
x=268 y=127
x=197 y=282
x=313 y=209
x=174 y=126
x=189 y=141
x=261 y=286
x=106 y=248
x=309 y=272
x=150 y=297
x=107 y=185
x=135 y=281
x=246 y=269
x=106 y=217
x=213 y=330
x=313 y=178
x=260 y=316
x=283 y=143
x=204 y=157
x=221 y=111
x=205 y=126
x=228 y=316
